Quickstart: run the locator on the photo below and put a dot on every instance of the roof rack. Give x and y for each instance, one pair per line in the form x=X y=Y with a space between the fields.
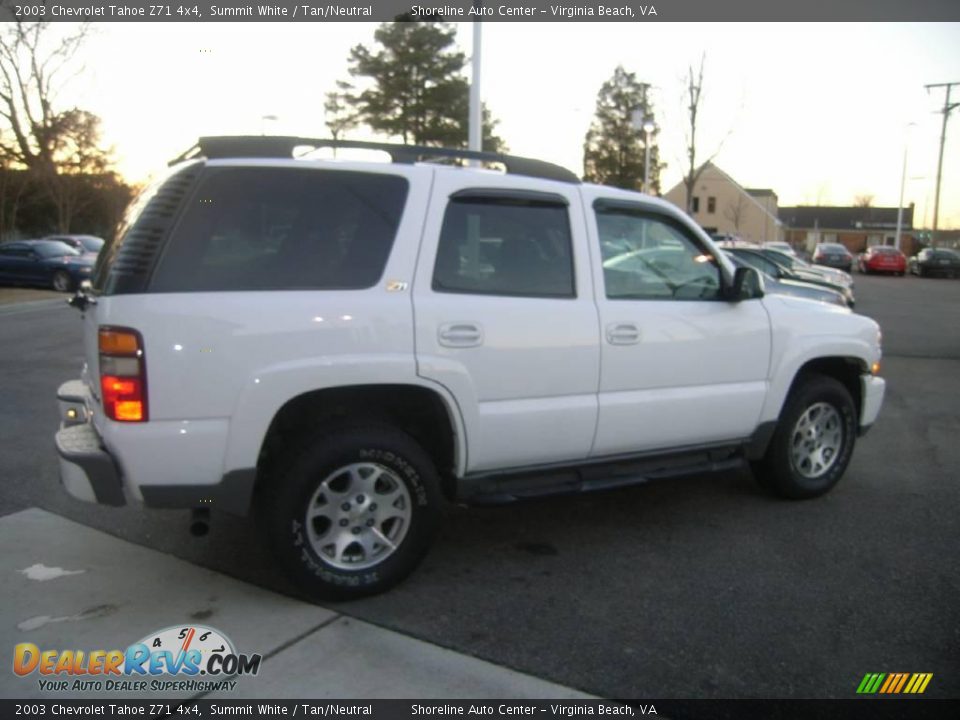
x=270 y=146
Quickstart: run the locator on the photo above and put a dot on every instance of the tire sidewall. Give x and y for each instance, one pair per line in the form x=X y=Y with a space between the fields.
x=288 y=533
x=67 y=283
x=786 y=480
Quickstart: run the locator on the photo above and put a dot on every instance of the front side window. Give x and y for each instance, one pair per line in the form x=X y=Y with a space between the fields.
x=283 y=229
x=653 y=257
x=493 y=245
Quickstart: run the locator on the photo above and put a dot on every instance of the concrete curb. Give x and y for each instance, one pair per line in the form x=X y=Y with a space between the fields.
x=68 y=586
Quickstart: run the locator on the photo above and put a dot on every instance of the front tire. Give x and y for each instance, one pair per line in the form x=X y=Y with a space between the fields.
x=354 y=513
x=814 y=440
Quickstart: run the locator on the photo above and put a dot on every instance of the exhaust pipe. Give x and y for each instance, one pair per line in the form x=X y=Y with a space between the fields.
x=199 y=522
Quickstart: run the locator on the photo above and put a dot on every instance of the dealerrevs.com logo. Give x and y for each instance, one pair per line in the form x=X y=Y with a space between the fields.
x=190 y=658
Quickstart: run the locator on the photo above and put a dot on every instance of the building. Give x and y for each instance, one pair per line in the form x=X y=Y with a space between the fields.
x=856 y=228
x=721 y=205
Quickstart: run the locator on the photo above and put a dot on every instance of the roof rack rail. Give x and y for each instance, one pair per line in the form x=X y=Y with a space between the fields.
x=271 y=146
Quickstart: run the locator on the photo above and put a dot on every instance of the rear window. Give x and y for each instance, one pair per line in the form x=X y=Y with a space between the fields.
x=53 y=248
x=283 y=229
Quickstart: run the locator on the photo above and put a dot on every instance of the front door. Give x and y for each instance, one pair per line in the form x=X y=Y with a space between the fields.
x=680 y=366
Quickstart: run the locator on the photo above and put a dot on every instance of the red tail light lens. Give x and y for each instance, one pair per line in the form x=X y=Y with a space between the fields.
x=123 y=374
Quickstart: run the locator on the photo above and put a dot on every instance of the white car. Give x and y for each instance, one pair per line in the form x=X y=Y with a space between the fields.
x=341 y=347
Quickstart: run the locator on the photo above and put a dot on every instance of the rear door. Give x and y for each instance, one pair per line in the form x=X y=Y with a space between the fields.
x=505 y=317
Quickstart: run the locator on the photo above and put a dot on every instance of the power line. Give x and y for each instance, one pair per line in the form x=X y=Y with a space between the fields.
x=947 y=108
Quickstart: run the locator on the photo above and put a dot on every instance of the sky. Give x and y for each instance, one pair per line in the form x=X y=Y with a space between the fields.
x=818 y=112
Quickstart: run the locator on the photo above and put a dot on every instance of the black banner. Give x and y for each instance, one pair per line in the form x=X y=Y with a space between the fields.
x=872 y=709
x=485 y=10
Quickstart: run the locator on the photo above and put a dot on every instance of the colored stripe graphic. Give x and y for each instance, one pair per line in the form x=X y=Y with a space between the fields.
x=894 y=683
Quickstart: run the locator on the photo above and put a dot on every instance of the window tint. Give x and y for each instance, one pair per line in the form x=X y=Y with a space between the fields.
x=759 y=262
x=653 y=257
x=505 y=246
x=283 y=229
x=53 y=248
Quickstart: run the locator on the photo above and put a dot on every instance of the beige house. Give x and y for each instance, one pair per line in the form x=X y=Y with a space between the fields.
x=721 y=205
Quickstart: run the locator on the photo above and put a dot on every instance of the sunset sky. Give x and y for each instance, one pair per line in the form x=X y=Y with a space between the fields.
x=817 y=112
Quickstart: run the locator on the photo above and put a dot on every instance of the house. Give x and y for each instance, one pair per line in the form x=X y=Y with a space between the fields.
x=856 y=228
x=721 y=205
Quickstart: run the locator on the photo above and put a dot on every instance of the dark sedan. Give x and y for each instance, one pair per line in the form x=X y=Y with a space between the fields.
x=775 y=282
x=48 y=263
x=936 y=261
x=769 y=262
x=833 y=255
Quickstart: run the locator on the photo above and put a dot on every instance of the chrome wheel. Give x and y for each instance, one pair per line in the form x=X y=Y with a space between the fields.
x=816 y=440
x=358 y=516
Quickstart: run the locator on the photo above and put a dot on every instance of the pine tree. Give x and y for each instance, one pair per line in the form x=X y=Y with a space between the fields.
x=414 y=86
x=613 y=149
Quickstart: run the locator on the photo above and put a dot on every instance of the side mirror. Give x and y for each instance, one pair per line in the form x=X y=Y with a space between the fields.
x=746 y=285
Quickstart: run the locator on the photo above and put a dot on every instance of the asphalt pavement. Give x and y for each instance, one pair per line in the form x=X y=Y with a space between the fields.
x=693 y=587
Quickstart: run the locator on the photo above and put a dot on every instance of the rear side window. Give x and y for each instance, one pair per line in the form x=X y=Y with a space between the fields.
x=283 y=229
x=505 y=246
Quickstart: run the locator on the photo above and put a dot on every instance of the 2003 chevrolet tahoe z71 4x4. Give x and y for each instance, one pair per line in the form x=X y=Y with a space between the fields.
x=341 y=346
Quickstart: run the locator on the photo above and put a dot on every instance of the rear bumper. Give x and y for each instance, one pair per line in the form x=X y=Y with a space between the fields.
x=87 y=471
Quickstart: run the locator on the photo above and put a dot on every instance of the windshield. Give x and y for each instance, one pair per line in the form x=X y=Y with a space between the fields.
x=91 y=243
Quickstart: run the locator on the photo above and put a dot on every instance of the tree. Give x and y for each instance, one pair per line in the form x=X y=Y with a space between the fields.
x=735 y=212
x=863 y=201
x=694 y=91
x=338 y=114
x=415 y=87
x=613 y=149
x=54 y=146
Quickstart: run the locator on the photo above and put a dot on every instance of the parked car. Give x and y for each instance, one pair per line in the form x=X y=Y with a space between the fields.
x=778 y=282
x=343 y=347
x=85 y=244
x=791 y=268
x=833 y=255
x=936 y=261
x=883 y=259
x=781 y=246
x=49 y=263
x=804 y=267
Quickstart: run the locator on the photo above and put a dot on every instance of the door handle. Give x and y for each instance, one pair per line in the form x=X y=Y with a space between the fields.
x=623 y=334
x=460 y=335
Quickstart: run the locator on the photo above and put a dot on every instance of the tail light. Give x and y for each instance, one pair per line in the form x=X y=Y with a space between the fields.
x=123 y=374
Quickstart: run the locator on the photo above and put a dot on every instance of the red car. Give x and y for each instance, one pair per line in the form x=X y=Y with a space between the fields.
x=883 y=258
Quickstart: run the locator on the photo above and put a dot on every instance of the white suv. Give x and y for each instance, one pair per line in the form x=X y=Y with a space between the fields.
x=341 y=346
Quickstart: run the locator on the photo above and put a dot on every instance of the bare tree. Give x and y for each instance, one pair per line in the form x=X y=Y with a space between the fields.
x=694 y=92
x=54 y=146
x=735 y=212
x=863 y=201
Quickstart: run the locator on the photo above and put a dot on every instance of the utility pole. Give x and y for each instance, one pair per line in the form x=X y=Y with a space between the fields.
x=947 y=108
x=475 y=122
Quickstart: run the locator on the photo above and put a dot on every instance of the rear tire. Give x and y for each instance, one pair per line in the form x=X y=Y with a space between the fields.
x=354 y=513
x=813 y=442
